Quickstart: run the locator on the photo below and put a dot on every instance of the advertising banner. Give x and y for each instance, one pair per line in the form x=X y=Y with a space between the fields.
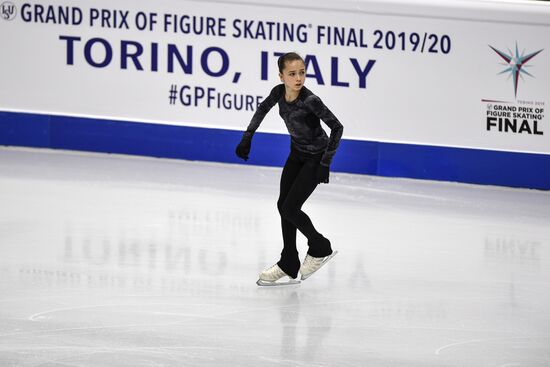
x=405 y=76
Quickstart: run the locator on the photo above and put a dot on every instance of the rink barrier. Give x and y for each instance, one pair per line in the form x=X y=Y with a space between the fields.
x=465 y=165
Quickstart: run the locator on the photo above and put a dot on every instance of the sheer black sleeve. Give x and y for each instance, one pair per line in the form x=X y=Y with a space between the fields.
x=264 y=107
x=317 y=106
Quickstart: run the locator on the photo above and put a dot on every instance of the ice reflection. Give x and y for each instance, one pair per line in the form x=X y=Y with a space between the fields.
x=106 y=259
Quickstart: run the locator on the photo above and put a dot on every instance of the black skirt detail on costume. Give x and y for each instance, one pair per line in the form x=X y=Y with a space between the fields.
x=302 y=118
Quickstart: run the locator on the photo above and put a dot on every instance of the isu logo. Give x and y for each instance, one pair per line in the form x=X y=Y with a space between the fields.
x=8 y=10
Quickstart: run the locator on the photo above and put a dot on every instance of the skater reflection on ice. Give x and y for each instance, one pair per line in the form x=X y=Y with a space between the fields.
x=295 y=317
x=307 y=166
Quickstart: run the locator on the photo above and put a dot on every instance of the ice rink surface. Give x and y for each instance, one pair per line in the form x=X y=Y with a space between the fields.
x=130 y=261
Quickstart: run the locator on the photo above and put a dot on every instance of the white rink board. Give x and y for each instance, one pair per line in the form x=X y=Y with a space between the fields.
x=432 y=73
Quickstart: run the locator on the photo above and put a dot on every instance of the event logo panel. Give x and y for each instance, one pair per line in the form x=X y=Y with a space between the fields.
x=517 y=116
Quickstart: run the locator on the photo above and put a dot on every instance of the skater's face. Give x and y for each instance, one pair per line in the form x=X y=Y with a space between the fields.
x=294 y=75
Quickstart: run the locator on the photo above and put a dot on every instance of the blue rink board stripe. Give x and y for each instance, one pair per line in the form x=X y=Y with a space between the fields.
x=354 y=156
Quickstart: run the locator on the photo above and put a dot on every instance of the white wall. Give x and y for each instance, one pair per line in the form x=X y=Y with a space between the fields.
x=411 y=95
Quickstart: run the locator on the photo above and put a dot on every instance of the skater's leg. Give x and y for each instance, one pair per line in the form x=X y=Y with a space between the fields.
x=291 y=209
x=290 y=262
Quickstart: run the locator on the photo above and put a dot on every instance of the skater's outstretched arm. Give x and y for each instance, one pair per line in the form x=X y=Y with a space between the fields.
x=264 y=107
x=243 y=149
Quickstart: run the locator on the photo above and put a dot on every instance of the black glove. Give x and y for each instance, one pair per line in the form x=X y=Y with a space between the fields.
x=243 y=149
x=322 y=173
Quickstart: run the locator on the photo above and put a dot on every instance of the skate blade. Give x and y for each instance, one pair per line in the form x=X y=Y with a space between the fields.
x=263 y=283
x=304 y=277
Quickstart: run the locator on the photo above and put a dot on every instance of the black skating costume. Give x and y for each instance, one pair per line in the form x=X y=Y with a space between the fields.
x=311 y=153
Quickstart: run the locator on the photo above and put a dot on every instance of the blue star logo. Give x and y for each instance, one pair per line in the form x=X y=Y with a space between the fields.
x=515 y=64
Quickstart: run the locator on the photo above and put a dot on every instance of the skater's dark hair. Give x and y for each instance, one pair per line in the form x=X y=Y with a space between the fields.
x=288 y=57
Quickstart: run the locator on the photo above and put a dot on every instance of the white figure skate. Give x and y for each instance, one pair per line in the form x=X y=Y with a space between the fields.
x=275 y=276
x=312 y=264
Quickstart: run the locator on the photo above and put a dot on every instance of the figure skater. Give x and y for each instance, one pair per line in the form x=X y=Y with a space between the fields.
x=307 y=166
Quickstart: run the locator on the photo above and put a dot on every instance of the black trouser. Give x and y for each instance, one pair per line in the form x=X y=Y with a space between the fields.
x=298 y=182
